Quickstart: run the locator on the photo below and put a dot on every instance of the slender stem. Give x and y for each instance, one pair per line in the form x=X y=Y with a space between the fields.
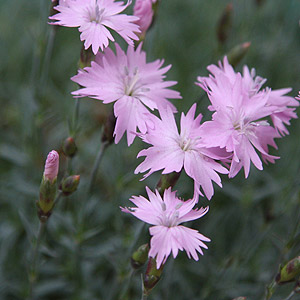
x=33 y=273
x=96 y=165
x=75 y=118
x=290 y=296
x=144 y=296
x=270 y=290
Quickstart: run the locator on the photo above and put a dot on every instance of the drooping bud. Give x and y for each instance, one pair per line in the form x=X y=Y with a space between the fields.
x=152 y=275
x=69 y=184
x=51 y=166
x=48 y=187
x=69 y=147
x=140 y=256
x=143 y=10
x=225 y=24
x=109 y=128
x=236 y=54
x=289 y=272
x=167 y=180
x=86 y=56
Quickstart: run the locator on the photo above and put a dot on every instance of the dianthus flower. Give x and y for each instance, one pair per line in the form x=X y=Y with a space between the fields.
x=172 y=151
x=166 y=214
x=94 y=17
x=238 y=122
x=132 y=83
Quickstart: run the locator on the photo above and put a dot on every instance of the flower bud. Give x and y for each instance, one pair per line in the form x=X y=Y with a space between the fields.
x=86 y=56
x=51 y=166
x=236 y=54
x=70 y=184
x=167 y=180
x=225 y=23
x=289 y=272
x=140 y=256
x=240 y=298
x=109 y=128
x=143 y=10
x=48 y=187
x=152 y=275
x=69 y=147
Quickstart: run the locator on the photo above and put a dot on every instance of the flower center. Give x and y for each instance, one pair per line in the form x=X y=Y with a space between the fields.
x=96 y=14
x=170 y=219
x=131 y=82
x=186 y=143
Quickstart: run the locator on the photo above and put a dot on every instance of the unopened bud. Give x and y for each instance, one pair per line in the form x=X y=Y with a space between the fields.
x=239 y=298
x=236 y=54
x=109 y=128
x=225 y=23
x=51 y=166
x=86 y=56
x=69 y=147
x=289 y=272
x=70 y=184
x=167 y=180
x=48 y=187
x=152 y=275
x=140 y=256
x=143 y=10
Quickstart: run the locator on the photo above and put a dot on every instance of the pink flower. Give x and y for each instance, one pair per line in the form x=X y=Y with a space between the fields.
x=132 y=83
x=172 y=151
x=239 y=123
x=93 y=17
x=143 y=10
x=51 y=165
x=166 y=214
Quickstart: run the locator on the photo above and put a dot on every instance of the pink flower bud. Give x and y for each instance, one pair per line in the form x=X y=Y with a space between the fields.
x=143 y=10
x=51 y=165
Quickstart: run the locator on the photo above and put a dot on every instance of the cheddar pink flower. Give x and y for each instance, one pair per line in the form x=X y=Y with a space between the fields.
x=240 y=123
x=166 y=214
x=171 y=151
x=131 y=83
x=94 y=17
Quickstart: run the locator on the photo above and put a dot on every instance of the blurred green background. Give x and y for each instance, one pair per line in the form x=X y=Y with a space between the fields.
x=253 y=223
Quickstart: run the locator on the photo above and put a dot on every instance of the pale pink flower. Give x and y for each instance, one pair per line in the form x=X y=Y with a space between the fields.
x=166 y=214
x=239 y=123
x=51 y=165
x=171 y=151
x=94 y=17
x=283 y=106
x=132 y=83
x=143 y=10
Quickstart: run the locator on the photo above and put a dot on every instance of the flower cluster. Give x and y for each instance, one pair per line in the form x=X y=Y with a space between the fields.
x=239 y=122
x=246 y=118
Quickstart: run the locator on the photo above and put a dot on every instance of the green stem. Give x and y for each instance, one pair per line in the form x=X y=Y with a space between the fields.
x=144 y=296
x=74 y=126
x=33 y=273
x=102 y=148
x=270 y=290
